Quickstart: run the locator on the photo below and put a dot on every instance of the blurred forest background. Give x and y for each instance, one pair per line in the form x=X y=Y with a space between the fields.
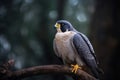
x=27 y=33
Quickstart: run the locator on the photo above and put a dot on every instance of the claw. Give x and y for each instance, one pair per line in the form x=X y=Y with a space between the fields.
x=75 y=68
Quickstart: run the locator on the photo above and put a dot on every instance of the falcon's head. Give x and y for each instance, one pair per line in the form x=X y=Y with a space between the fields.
x=64 y=26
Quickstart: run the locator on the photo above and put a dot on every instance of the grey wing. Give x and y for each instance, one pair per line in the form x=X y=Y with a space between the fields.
x=88 y=42
x=85 y=53
x=89 y=45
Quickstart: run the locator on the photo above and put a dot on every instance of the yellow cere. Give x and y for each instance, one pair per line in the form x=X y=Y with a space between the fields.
x=57 y=25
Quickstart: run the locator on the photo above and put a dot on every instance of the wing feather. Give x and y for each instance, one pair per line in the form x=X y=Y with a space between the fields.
x=85 y=53
x=89 y=46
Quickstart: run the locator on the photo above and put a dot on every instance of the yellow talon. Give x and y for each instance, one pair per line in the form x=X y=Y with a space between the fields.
x=75 y=68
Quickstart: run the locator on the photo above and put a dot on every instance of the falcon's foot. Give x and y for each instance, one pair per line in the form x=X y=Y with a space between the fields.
x=75 y=68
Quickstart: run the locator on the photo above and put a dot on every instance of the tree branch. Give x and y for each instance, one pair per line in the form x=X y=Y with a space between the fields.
x=45 y=69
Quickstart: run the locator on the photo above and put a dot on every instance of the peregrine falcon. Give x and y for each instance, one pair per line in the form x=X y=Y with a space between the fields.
x=74 y=48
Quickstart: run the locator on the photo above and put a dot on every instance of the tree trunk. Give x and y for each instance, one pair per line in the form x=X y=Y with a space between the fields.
x=60 y=8
x=104 y=34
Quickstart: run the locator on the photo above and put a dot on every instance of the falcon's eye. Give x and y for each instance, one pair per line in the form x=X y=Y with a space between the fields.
x=62 y=24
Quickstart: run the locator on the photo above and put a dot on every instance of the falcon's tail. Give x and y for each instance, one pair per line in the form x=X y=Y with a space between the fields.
x=97 y=73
